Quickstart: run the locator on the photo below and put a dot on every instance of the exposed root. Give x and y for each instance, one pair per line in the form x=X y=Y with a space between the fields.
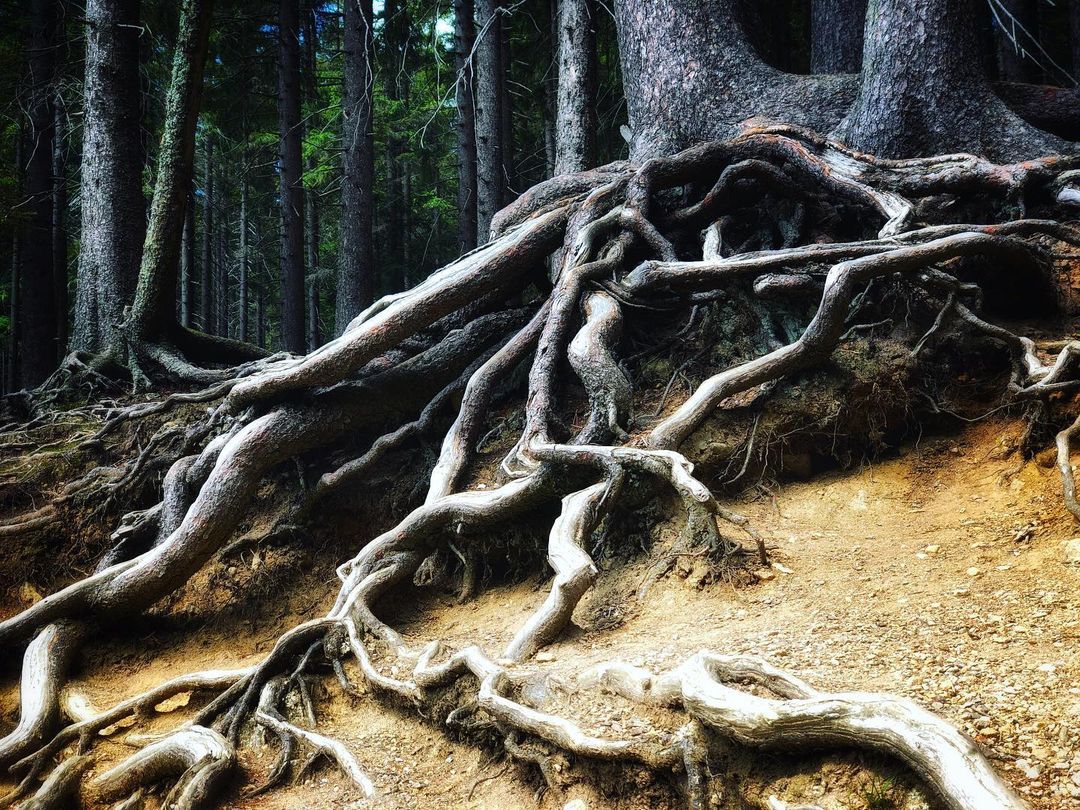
x=199 y=759
x=401 y=363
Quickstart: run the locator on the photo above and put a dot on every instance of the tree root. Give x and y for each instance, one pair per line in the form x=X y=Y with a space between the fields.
x=403 y=361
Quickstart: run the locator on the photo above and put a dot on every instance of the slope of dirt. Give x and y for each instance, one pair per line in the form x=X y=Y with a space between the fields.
x=939 y=575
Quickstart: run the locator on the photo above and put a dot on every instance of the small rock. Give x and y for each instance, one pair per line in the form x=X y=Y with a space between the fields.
x=764 y=574
x=1072 y=551
x=576 y=804
x=545 y=655
x=933 y=548
x=973 y=571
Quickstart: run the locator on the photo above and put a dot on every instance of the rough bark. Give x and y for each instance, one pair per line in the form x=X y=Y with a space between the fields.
x=508 y=176
x=836 y=35
x=112 y=204
x=356 y=269
x=154 y=311
x=59 y=225
x=187 y=265
x=38 y=327
x=290 y=167
x=464 y=38
x=922 y=90
x=243 y=259
x=311 y=211
x=488 y=117
x=575 y=126
x=207 y=310
x=690 y=76
x=221 y=256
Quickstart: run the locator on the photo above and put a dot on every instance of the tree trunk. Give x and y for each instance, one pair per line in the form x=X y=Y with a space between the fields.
x=113 y=208
x=836 y=35
x=575 y=128
x=923 y=92
x=242 y=304
x=488 y=118
x=356 y=270
x=187 y=264
x=464 y=37
x=59 y=228
x=293 y=336
x=690 y=75
x=1011 y=43
x=206 y=276
x=551 y=91
x=508 y=176
x=221 y=258
x=314 y=337
x=395 y=37
x=154 y=312
x=38 y=349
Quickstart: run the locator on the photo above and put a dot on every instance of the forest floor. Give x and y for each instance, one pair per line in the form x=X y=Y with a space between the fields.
x=938 y=573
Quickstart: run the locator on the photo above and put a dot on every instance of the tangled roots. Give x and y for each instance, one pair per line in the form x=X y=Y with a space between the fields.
x=628 y=243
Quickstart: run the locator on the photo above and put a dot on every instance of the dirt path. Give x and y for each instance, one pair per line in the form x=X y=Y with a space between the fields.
x=938 y=575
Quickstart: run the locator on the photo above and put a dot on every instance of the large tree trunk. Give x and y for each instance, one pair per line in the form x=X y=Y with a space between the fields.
x=38 y=349
x=293 y=338
x=923 y=91
x=153 y=315
x=575 y=126
x=113 y=208
x=488 y=117
x=464 y=37
x=690 y=75
x=356 y=269
x=836 y=35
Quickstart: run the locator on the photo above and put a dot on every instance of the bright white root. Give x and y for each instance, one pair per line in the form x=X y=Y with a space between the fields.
x=201 y=758
x=802 y=717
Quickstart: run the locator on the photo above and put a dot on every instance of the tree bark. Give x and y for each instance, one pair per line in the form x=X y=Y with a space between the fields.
x=836 y=35
x=187 y=264
x=154 y=311
x=314 y=337
x=464 y=37
x=690 y=75
x=59 y=226
x=575 y=127
x=488 y=118
x=206 y=276
x=113 y=208
x=242 y=304
x=293 y=337
x=39 y=330
x=356 y=270
x=508 y=176
x=923 y=92
x=1011 y=42
x=221 y=257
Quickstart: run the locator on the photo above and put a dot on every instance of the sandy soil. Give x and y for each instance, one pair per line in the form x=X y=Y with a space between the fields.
x=939 y=575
